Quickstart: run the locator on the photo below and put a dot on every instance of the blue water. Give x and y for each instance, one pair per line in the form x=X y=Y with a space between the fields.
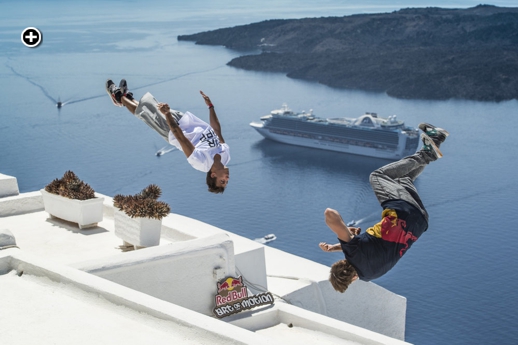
x=460 y=278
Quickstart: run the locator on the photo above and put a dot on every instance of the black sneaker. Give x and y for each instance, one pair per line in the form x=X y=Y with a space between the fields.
x=114 y=92
x=437 y=134
x=430 y=146
x=124 y=89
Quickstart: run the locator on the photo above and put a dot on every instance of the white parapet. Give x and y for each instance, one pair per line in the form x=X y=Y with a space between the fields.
x=249 y=255
x=21 y=204
x=8 y=186
x=45 y=300
x=300 y=326
x=184 y=273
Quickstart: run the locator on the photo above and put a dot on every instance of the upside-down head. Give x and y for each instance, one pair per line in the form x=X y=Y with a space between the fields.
x=342 y=275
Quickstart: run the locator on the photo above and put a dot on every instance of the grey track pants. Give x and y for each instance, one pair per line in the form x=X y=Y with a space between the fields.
x=395 y=180
x=148 y=112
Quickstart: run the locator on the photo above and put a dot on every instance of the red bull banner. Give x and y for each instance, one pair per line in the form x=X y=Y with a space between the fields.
x=232 y=297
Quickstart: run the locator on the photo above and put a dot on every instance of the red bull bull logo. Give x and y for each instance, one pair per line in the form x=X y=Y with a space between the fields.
x=394 y=230
x=232 y=297
x=230 y=284
x=223 y=286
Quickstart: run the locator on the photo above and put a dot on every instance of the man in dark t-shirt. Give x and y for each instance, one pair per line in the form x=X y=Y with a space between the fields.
x=404 y=219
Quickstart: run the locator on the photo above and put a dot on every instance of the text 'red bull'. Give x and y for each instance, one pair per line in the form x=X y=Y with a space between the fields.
x=232 y=296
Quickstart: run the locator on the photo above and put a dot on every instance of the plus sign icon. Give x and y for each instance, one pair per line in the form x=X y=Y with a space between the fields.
x=31 y=37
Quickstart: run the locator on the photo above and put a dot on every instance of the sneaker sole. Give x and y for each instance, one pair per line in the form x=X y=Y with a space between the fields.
x=112 y=97
x=439 y=130
x=123 y=85
x=428 y=141
x=442 y=131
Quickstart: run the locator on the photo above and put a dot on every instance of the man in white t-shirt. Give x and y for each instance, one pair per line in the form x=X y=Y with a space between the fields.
x=202 y=144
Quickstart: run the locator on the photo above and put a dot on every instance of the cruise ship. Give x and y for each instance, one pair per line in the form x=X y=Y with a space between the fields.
x=367 y=135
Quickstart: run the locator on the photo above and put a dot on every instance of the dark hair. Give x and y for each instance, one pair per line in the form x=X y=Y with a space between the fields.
x=211 y=183
x=342 y=275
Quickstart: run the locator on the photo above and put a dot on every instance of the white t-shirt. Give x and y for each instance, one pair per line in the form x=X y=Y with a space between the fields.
x=205 y=140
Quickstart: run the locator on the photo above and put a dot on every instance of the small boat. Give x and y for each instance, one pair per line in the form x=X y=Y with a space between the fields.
x=270 y=237
x=164 y=150
x=266 y=238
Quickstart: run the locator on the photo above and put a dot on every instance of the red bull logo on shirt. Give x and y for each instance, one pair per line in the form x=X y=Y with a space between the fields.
x=394 y=230
x=232 y=297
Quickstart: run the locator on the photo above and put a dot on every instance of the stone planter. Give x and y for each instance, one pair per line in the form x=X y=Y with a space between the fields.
x=86 y=213
x=141 y=232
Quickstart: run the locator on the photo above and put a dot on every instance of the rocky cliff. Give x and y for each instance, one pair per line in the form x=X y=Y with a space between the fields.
x=417 y=53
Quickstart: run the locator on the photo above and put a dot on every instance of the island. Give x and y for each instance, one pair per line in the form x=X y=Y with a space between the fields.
x=414 y=53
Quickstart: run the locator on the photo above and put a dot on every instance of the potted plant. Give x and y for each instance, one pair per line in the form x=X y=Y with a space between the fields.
x=138 y=218
x=73 y=200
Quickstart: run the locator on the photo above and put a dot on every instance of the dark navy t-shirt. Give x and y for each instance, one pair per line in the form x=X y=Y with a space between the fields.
x=373 y=256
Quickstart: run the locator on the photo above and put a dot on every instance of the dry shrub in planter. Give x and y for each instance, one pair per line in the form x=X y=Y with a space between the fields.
x=70 y=186
x=143 y=204
x=73 y=200
x=138 y=220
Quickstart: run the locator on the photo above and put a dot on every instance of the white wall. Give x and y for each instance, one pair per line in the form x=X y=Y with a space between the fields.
x=305 y=284
x=249 y=255
x=193 y=327
x=184 y=273
x=20 y=204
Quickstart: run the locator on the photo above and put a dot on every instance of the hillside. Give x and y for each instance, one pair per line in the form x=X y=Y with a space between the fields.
x=417 y=53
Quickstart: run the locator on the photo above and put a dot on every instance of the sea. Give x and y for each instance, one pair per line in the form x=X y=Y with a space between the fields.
x=460 y=278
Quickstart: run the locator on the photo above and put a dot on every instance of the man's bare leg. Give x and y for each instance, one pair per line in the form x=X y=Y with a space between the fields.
x=130 y=104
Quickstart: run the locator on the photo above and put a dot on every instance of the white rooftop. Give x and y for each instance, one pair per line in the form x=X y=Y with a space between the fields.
x=62 y=285
x=49 y=312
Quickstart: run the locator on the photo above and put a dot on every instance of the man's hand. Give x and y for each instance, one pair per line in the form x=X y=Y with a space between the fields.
x=164 y=108
x=207 y=99
x=355 y=231
x=187 y=146
x=329 y=248
x=213 y=118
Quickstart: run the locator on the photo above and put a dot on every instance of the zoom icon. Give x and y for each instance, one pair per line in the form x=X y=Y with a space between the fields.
x=31 y=37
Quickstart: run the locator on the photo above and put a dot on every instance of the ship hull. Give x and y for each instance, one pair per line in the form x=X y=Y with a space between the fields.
x=313 y=141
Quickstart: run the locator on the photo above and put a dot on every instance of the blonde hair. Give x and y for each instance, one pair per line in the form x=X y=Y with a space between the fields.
x=342 y=275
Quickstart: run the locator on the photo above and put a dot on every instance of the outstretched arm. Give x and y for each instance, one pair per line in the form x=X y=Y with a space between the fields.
x=187 y=146
x=213 y=118
x=335 y=222
x=329 y=248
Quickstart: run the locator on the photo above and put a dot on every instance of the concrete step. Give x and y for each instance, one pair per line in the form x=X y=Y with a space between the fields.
x=8 y=186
